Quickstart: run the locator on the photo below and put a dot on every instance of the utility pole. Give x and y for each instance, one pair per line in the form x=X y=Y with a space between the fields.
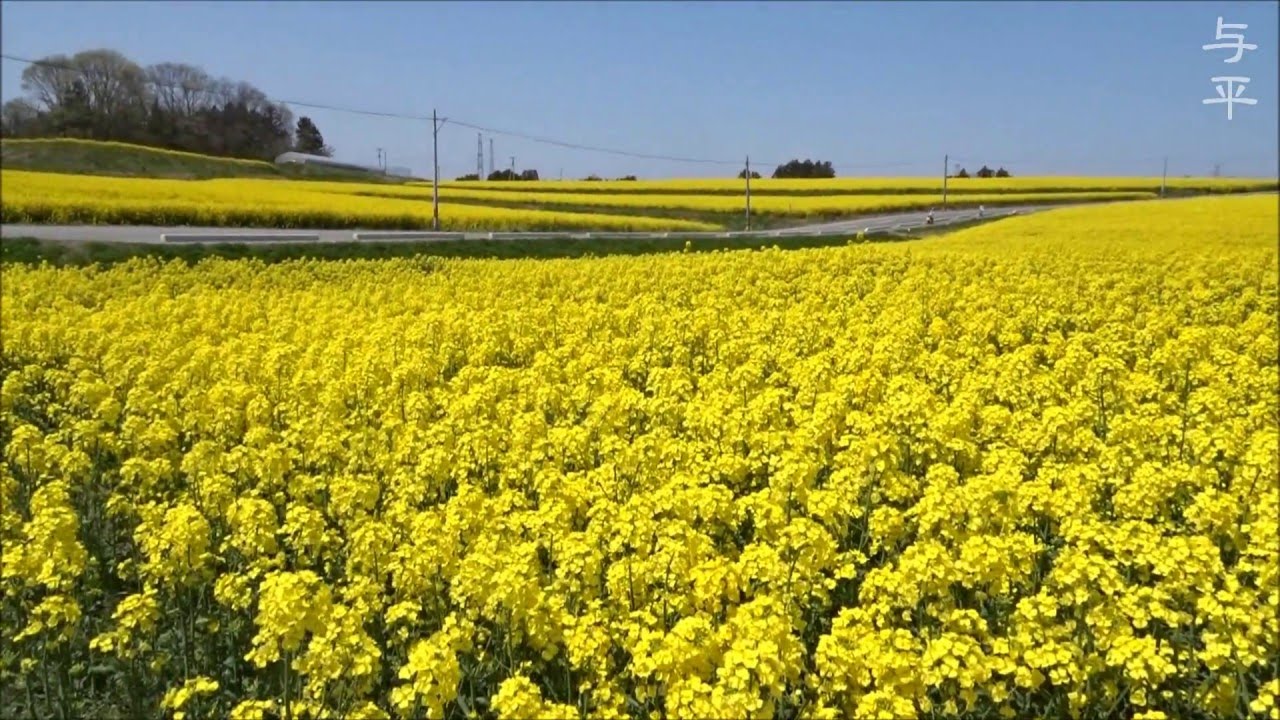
x=513 y=167
x=945 y=161
x=490 y=156
x=435 y=172
x=747 y=175
x=479 y=157
x=1164 y=175
x=381 y=165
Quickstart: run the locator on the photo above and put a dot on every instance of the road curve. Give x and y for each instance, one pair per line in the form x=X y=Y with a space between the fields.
x=150 y=234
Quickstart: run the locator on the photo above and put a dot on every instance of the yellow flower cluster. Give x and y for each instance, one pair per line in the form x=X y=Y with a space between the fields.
x=1024 y=470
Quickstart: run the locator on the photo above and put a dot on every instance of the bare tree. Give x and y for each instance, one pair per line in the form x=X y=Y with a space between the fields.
x=221 y=91
x=18 y=117
x=180 y=88
x=49 y=82
x=250 y=97
x=108 y=90
x=113 y=81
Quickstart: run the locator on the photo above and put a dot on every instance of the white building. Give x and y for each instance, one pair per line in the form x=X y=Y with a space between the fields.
x=297 y=158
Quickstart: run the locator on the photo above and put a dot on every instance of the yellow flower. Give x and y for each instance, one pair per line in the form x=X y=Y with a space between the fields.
x=177 y=698
x=1015 y=469
x=290 y=605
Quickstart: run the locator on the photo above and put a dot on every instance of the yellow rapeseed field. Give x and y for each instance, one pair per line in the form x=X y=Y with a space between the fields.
x=1028 y=470
x=878 y=185
x=42 y=197
x=780 y=205
x=38 y=197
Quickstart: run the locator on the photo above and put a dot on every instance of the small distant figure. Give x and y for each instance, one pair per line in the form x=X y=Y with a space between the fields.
x=981 y=210
x=929 y=220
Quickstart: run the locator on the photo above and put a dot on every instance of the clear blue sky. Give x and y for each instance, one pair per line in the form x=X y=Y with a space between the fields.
x=1042 y=88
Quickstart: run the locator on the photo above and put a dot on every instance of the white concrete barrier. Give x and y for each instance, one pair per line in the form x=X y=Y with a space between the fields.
x=625 y=236
x=408 y=235
x=695 y=235
x=526 y=235
x=238 y=237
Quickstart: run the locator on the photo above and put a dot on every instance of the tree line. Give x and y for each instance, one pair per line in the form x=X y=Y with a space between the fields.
x=530 y=175
x=790 y=169
x=103 y=95
x=983 y=172
x=502 y=175
x=797 y=169
x=823 y=169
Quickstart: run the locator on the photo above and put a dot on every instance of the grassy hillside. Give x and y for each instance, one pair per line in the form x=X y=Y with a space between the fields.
x=91 y=157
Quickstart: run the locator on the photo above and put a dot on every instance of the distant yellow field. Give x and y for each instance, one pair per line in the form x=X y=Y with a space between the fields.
x=779 y=205
x=32 y=197
x=43 y=197
x=880 y=186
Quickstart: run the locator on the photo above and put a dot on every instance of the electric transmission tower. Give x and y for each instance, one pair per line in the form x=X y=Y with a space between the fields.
x=491 y=156
x=479 y=157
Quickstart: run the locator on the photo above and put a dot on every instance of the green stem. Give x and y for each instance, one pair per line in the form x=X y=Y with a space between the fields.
x=44 y=676
x=288 y=704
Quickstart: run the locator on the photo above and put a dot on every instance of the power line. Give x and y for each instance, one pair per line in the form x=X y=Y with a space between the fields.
x=590 y=148
x=1029 y=159
x=492 y=131
x=357 y=111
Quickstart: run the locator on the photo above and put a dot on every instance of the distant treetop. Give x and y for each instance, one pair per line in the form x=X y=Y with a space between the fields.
x=805 y=169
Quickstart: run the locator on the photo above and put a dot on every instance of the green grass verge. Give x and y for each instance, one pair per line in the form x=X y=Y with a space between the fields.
x=30 y=251
x=33 y=252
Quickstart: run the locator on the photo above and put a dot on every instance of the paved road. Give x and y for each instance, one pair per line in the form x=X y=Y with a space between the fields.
x=877 y=224
x=913 y=219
